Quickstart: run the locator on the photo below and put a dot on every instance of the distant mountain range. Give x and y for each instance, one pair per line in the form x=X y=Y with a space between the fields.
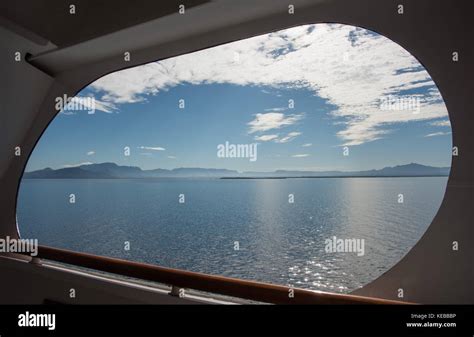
x=114 y=171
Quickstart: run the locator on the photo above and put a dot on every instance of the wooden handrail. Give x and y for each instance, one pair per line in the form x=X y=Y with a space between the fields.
x=251 y=290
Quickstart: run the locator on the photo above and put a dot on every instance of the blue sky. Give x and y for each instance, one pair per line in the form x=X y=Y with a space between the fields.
x=337 y=76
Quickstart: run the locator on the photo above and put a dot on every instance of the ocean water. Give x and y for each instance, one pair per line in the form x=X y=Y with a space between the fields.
x=279 y=242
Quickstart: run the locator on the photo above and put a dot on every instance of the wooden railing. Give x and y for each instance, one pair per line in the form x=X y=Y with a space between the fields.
x=250 y=290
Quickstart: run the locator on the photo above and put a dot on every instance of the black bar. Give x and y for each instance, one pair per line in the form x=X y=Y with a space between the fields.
x=264 y=320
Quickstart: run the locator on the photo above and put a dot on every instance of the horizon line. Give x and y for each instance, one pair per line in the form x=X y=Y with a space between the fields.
x=209 y=168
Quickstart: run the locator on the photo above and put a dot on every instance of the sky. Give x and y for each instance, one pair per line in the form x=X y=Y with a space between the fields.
x=305 y=95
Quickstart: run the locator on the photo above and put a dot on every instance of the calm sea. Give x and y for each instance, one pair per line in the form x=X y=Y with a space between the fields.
x=278 y=241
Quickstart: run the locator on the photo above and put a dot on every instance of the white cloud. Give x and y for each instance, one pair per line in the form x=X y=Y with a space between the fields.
x=272 y=120
x=307 y=145
x=152 y=148
x=266 y=138
x=90 y=153
x=276 y=109
x=438 y=134
x=103 y=106
x=441 y=123
x=351 y=68
x=76 y=165
x=288 y=138
x=302 y=155
x=171 y=157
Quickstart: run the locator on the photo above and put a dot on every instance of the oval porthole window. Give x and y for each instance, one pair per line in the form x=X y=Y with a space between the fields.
x=314 y=156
